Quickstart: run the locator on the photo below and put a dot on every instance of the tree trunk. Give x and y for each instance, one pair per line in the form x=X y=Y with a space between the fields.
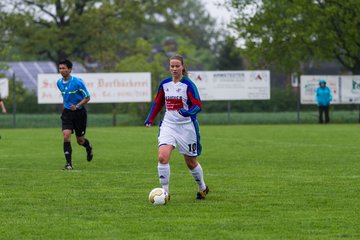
x=356 y=69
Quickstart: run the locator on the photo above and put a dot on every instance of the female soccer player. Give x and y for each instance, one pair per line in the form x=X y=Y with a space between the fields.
x=179 y=126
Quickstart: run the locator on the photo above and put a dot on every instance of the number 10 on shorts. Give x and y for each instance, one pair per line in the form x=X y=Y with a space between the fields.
x=192 y=147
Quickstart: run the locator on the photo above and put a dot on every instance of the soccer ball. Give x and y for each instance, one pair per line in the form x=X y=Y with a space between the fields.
x=158 y=196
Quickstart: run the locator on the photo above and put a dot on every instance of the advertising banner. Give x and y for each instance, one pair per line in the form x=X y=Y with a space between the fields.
x=4 y=87
x=350 y=89
x=309 y=83
x=232 y=85
x=103 y=87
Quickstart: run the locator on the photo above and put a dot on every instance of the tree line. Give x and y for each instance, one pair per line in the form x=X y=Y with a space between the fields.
x=140 y=35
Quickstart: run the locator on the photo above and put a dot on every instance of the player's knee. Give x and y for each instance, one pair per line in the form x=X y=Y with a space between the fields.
x=163 y=159
x=67 y=137
x=191 y=166
x=80 y=141
x=191 y=162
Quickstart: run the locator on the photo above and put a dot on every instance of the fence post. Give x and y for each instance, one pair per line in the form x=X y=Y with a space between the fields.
x=295 y=82
x=114 y=114
x=228 y=111
x=14 y=101
x=298 y=104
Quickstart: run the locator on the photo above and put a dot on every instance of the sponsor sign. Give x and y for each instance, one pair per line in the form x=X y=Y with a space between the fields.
x=232 y=85
x=103 y=87
x=4 y=87
x=350 y=89
x=309 y=84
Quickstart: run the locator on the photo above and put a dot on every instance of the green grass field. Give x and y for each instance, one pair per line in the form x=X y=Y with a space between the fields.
x=266 y=182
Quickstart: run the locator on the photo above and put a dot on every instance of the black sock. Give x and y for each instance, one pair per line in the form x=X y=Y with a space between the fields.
x=86 y=144
x=67 y=152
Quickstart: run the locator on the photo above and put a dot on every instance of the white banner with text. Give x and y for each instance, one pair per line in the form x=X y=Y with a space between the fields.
x=344 y=89
x=103 y=87
x=4 y=87
x=232 y=85
x=309 y=84
x=350 y=89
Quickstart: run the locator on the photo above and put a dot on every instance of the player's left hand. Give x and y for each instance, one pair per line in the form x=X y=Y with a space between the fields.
x=73 y=107
x=183 y=112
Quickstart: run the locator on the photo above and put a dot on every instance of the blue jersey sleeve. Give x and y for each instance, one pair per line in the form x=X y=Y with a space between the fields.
x=82 y=89
x=58 y=84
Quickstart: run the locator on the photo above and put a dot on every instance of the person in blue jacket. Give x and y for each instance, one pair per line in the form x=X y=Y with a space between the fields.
x=323 y=99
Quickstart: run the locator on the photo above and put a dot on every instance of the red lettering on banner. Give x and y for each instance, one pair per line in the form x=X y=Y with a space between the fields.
x=174 y=104
x=47 y=84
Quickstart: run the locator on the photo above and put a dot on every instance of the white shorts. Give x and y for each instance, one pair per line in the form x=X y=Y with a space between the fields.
x=186 y=136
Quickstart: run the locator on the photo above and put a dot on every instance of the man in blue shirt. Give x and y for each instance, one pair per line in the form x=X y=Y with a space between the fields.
x=74 y=115
x=323 y=99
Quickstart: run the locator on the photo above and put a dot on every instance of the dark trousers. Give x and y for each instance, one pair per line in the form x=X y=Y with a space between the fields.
x=324 y=110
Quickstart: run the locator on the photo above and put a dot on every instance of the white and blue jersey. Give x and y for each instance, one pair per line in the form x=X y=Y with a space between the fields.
x=179 y=126
x=73 y=91
x=176 y=96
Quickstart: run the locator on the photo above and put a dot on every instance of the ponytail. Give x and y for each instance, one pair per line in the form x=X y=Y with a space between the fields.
x=184 y=71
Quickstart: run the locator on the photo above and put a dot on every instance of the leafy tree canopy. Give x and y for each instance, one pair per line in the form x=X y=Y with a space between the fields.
x=288 y=33
x=102 y=30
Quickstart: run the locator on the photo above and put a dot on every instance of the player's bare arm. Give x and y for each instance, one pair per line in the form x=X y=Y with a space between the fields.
x=81 y=103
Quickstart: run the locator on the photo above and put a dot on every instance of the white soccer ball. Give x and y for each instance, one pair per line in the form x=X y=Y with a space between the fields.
x=158 y=196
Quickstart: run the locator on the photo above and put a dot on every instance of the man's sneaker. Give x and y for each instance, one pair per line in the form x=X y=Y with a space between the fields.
x=89 y=153
x=68 y=167
x=201 y=195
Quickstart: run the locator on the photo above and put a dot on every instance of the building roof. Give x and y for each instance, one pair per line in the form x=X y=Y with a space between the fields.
x=27 y=72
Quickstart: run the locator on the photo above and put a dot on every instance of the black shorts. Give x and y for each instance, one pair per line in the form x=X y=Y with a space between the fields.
x=75 y=121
